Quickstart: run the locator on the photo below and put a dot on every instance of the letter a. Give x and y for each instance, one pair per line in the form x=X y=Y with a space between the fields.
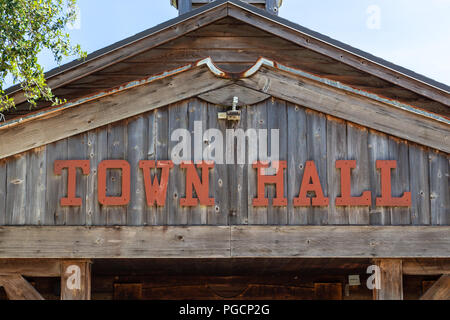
x=310 y=175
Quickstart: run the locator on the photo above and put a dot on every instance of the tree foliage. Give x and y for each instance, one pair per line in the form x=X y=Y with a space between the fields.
x=26 y=28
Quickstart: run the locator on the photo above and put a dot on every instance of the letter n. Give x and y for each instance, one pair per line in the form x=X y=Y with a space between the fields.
x=277 y=179
x=72 y=165
x=193 y=181
x=156 y=192
x=310 y=182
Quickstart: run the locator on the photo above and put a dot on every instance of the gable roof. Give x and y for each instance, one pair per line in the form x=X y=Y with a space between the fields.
x=259 y=18
x=265 y=76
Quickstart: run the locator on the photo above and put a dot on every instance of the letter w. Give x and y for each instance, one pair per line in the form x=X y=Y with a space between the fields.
x=156 y=192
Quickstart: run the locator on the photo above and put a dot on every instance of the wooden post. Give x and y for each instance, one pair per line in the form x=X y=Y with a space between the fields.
x=391 y=280
x=76 y=280
x=184 y=6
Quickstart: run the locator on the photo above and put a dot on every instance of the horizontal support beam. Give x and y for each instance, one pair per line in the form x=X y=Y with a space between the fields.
x=225 y=242
x=427 y=267
x=31 y=267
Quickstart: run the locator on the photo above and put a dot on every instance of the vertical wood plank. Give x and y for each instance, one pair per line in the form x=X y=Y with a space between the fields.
x=336 y=150
x=277 y=119
x=98 y=151
x=439 y=188
x=378 y=150
x=16 y=197
x=117 y=150
x=398 y=150
x=391 y=280
x=197 y=112
x=137 y=151
x=317 y=151
x=238 y=174
x=297 y=157
x=56 y=184
x=256 y=119
x=2 y=192
x=158 y=149
x=419 y=184
x=77 y=150
x=220 y=187
x=357 y=148
x=36 y=186
x=177 y=215
x=76 y=280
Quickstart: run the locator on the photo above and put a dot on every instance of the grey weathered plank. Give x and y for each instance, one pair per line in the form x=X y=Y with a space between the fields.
x=316 y=139
x=158 y=149
x=398 y=150
x=77 y=149
x=357 y=148
x=339 y=241
x=378 y=150
x=237 y=173
x=178 y=119
x=277 y=119
x=197 y=113
x=2 y=192
x=137 y=151
x=419 y=185
x=117 y=150
x=36 y=186
x=115 y=242
x=439 y=188
x=256 y=119
x=220 y=187
x=16 y=190
x=336 y=150
x=225 y=241
x=96 y=214
x=297 y=157
x=56 y=184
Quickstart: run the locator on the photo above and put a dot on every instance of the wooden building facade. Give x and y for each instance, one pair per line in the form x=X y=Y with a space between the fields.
x=94 y=205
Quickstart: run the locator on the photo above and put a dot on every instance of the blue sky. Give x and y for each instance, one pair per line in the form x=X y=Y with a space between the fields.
x=412 y=33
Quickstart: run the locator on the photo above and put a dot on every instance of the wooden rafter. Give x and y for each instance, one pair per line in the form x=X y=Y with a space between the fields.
x=440 y=290
x=17 y=288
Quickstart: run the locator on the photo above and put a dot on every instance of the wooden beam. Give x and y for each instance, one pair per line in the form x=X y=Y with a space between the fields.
x=100 y=62
x=119 y=104
x=17 y=288
x=426 y=267
x=438 y=291
x=355 y=108
x=338 y=54
x=339 y=241
x=76 y=280
x=391 y=280
x=31 y=267
x=224 y=242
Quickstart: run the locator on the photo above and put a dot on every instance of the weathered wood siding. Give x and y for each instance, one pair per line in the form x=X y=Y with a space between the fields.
x=30 y=191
